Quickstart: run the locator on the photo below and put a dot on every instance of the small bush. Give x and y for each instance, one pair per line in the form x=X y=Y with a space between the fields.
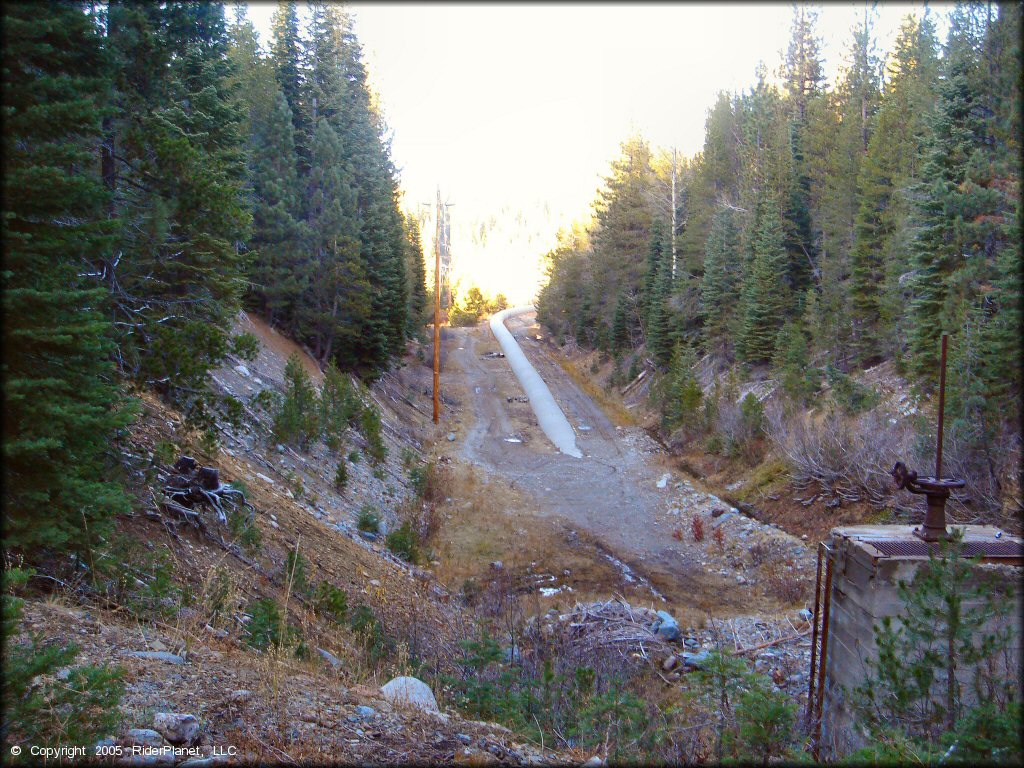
x=296 y=570
x=128 y=574
x=244 y=530
x=331 y=602
x=368 y=520
x=850 y=395
x=353 y=456
x=785 y=587
x=297 y=420
x=246 y=346
x=41 y=709
x=340 y=406
x=677 y=534
x=404 y=542
x=266 y=627
x=719 y=536
x=697 y=528
x=372 y=428
x=372 y=637
x=341 y=475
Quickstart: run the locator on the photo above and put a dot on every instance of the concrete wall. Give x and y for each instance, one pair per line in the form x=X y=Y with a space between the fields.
x=864 y=590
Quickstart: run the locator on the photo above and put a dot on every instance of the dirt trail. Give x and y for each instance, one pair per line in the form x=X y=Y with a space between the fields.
x=612 y=493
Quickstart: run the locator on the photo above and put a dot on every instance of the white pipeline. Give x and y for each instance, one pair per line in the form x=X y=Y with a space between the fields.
x=549 y=415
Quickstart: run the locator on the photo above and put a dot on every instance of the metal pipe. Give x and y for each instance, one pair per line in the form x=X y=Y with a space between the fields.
x=942 y=406
x=824 y=654
x=814 y=636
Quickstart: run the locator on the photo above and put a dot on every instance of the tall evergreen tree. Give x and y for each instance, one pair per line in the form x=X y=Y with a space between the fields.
x=62 y=410
x=416 y=269
x=178 y=278
x=723 y=263
x=286 y=54
x=765 y=294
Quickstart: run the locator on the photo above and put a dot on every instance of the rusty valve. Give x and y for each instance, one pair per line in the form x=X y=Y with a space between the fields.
x=936 y=490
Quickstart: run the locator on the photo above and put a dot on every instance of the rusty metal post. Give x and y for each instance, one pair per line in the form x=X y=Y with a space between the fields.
x=816 y=748
x=814 y=637
x=942 y=407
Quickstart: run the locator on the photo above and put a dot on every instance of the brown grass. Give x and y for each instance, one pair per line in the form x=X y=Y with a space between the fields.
x=610 y=403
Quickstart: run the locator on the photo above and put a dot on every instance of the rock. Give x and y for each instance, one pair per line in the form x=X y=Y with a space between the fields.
x=221 y=633
x=242 y=694
x=153 y=759
x=329 y=657
x=451 y=437
x=667 y=626
x=170 y=658
x=242 y=370
x=410 y=691
x=280 y=448
x=142 y=737
x=512 y=655
x=669 y=664
x=202 y=762
x=364 y=711
x=178 y=729
x=691 y=642
x=663 y=481
x=369 y=535
x=696 y=660
x=717 y=512
x=593 y=762
x=264 y=478
x=273 y=524
x=464 y=738
x=497 y=565
x=805 y=614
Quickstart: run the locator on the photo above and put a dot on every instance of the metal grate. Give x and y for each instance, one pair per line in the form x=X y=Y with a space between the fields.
x=919 y=548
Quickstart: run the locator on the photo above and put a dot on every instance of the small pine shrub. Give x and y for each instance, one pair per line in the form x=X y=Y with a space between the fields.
x=246 y=346
x=697 y=528
x=297 y=420
x=850 y=395
x=234 y=411
x=245 y=532
x=404 y=542
x=751 y=414
x=296 y=570
x=266 y=627
x=331 y=602
x=677 y=534
x=375 y=642
x=39 y=708
x=353 y=456
x=368 y=520
x=340 y=406
x=128 y=574
x=372 y=428
x=341 y=475
x=719 y=536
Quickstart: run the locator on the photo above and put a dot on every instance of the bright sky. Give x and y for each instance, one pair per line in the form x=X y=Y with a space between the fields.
x=516 y=106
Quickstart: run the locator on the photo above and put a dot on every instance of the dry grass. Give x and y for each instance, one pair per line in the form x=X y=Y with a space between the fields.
x=610 y=403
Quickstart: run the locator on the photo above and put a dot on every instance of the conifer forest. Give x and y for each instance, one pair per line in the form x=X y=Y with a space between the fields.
x=302 y=468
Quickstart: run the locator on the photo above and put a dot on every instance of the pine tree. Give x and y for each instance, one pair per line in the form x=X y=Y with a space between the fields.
x=62 y=410
x=417 y=271
x=966 y=211
x=722 y=274
x=176 y=285
x=890 y=166
x=765 y=296
x=286 y=55
x=792 y=363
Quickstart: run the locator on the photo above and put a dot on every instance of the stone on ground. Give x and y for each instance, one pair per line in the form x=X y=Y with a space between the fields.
x=411 y=691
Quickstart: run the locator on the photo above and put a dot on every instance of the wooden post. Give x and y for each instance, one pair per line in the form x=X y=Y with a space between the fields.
x=437 y=313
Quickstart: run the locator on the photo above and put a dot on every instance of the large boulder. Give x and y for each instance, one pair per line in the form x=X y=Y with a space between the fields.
x=177 y=728
x=410 y=691
x=667 y=627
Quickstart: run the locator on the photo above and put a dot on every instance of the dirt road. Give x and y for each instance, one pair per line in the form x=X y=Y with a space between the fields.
x=618 y=492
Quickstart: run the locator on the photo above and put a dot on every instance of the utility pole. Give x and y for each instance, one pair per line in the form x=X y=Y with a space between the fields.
x=437 y=312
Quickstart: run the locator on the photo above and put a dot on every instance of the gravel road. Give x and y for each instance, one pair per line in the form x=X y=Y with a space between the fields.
x=612 y=492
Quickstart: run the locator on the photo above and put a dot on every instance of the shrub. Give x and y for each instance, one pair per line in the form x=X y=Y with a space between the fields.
x=368 y=520
x=129 y=574
x=341 y=475
x=368 y=628
x=404 y=542
x=340 y=406
x=331 y=602
x=266 y=627
x=719 y=536
x=697 y=526
x=371 y=427
x=296 y=571
x=38 y=707
x=850 y=395
x=297 y=420
x=353 y=456
x=244 y=530
x=246 y=346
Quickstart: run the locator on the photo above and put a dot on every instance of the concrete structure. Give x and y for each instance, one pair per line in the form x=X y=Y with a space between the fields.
x=867 y=563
